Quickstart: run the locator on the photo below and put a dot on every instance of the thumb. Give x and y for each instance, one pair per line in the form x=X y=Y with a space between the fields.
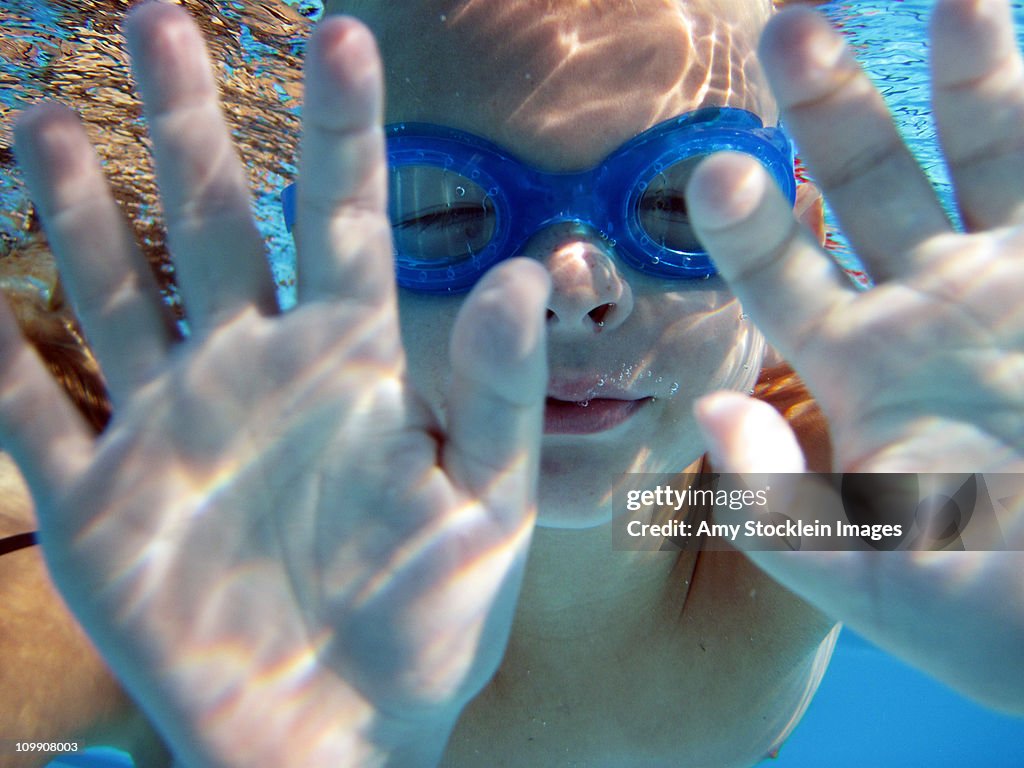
x=745 y=435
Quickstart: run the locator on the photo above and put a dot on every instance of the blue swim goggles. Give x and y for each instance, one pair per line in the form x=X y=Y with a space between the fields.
x=459 y=204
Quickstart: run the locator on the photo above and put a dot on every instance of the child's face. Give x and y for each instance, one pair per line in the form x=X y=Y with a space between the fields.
x=561 y=94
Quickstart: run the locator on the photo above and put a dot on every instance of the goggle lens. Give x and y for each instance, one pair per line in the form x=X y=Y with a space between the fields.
x=661 y=210
x=438 y=216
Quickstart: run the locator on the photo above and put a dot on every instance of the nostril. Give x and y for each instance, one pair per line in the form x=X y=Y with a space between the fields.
x=551 y=315
x=600 y=314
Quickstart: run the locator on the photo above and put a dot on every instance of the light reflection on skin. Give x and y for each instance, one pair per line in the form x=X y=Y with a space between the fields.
x=563 y=88
x=236 y=567
x=676 y=341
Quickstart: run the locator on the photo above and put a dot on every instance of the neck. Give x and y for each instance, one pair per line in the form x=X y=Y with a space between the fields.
x=574 y=572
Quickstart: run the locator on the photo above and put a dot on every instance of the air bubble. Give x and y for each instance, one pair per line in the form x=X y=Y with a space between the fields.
x=460 y=191
x=674 y=388
x=583 y=403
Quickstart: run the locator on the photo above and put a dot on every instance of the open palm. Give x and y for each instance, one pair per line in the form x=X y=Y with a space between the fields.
x=284 y=555
x=922 y=372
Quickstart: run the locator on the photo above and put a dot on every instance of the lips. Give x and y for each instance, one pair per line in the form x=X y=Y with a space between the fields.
x=572 y=408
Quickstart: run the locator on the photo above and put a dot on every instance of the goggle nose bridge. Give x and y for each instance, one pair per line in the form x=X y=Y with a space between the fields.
x=566 y=198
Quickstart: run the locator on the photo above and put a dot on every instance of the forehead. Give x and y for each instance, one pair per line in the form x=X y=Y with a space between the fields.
x=562 y=83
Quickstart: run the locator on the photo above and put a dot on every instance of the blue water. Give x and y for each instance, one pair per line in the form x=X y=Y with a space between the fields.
x=872 y=710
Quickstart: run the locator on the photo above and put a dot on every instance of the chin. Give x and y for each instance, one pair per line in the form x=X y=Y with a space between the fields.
x=570 y=496
x=573 y=519
x=576 y=489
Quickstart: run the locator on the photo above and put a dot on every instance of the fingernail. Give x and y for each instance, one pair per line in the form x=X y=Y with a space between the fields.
x=984 y=26
x=350 y=49
x=168 y=55
x=825 y=49
x=712 y=411
x=725 y=190
x=802 y=55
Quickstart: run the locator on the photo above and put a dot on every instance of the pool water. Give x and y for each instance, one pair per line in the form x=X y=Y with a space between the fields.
x=871 y=709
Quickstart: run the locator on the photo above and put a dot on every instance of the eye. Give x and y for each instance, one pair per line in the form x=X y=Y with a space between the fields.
x=443 y=217
x=662 y=211
x=666 y=204
x=438 y=215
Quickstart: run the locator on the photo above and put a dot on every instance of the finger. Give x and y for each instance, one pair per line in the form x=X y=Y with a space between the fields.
x=978 y=100
x=342 y=230
x=499 y=379
x=781 y=276
x=38 y=425
x=882 y=199
x=109 y=283
x=217 y=249
x=902 y=602
x=745 y=435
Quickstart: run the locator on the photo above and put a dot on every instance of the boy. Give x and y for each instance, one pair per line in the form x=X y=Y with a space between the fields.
x=214 y=503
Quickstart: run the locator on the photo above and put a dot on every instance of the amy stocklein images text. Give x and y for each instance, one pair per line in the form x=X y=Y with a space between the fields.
x=814 y=511
x=785 y=529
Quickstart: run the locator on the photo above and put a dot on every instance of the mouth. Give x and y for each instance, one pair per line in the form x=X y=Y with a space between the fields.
x=585 y=408
x=587 y=417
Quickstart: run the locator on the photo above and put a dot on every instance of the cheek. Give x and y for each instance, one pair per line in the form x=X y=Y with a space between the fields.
x=709 y=347
x=426 y=324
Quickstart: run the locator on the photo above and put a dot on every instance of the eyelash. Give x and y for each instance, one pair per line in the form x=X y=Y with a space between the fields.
x=449 y=216
x=677 y=204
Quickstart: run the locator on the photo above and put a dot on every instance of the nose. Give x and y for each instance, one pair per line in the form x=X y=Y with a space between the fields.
x=588 y=293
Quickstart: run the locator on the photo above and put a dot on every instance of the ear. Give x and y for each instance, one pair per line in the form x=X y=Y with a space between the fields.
x=809 y=210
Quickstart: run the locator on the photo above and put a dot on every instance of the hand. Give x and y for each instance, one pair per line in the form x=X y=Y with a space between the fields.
x=280 y=551
x=921 y=373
